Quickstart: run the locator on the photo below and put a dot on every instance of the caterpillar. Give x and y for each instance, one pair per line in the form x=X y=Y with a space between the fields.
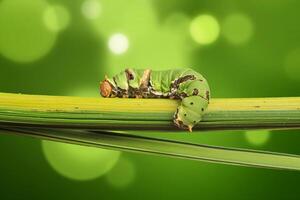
x=184 y=84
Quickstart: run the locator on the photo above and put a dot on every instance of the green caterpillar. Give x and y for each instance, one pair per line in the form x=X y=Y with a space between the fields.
x=185 y=84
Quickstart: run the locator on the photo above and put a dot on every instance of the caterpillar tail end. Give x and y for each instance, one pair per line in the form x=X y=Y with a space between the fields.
x=180 y=124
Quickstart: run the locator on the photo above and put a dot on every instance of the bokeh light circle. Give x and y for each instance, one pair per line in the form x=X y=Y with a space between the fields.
x=79 y=162
x=91 y=9
x=205 y=29
x=257 y=137
x=292 y=65
x=56 y=18
x=237 y=28
x=118 y=43
x=122 y=174
x=23 y=35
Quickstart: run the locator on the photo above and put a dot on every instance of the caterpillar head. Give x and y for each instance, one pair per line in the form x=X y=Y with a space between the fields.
x=107 y=89
x=190 y=112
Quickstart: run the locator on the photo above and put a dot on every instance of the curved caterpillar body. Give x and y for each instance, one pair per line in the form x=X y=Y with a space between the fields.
x=185 y=84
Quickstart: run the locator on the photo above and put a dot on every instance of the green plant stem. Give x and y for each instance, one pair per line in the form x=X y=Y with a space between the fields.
x=145 y=114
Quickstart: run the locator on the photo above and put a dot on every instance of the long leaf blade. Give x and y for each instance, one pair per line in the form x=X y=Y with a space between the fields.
x=164 y=147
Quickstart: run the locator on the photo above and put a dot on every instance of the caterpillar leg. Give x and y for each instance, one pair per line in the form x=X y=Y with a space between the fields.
x=190 y=112
x=144 y=86
x=138 y=82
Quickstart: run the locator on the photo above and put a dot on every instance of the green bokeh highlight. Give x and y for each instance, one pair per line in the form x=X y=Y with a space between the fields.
x=259 y=137
x=23 y=35
x=237 y=28
x=205 y=29
x=79 y=162
x=56 y=18
x=122 y=175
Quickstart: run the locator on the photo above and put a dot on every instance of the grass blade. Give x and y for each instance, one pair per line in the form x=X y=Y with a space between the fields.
x=163 y=147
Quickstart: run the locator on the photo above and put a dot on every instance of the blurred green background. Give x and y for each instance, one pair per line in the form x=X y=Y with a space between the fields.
x=59 y=47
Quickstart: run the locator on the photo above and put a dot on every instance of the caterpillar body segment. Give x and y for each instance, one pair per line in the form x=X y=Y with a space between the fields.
x=185 y=84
